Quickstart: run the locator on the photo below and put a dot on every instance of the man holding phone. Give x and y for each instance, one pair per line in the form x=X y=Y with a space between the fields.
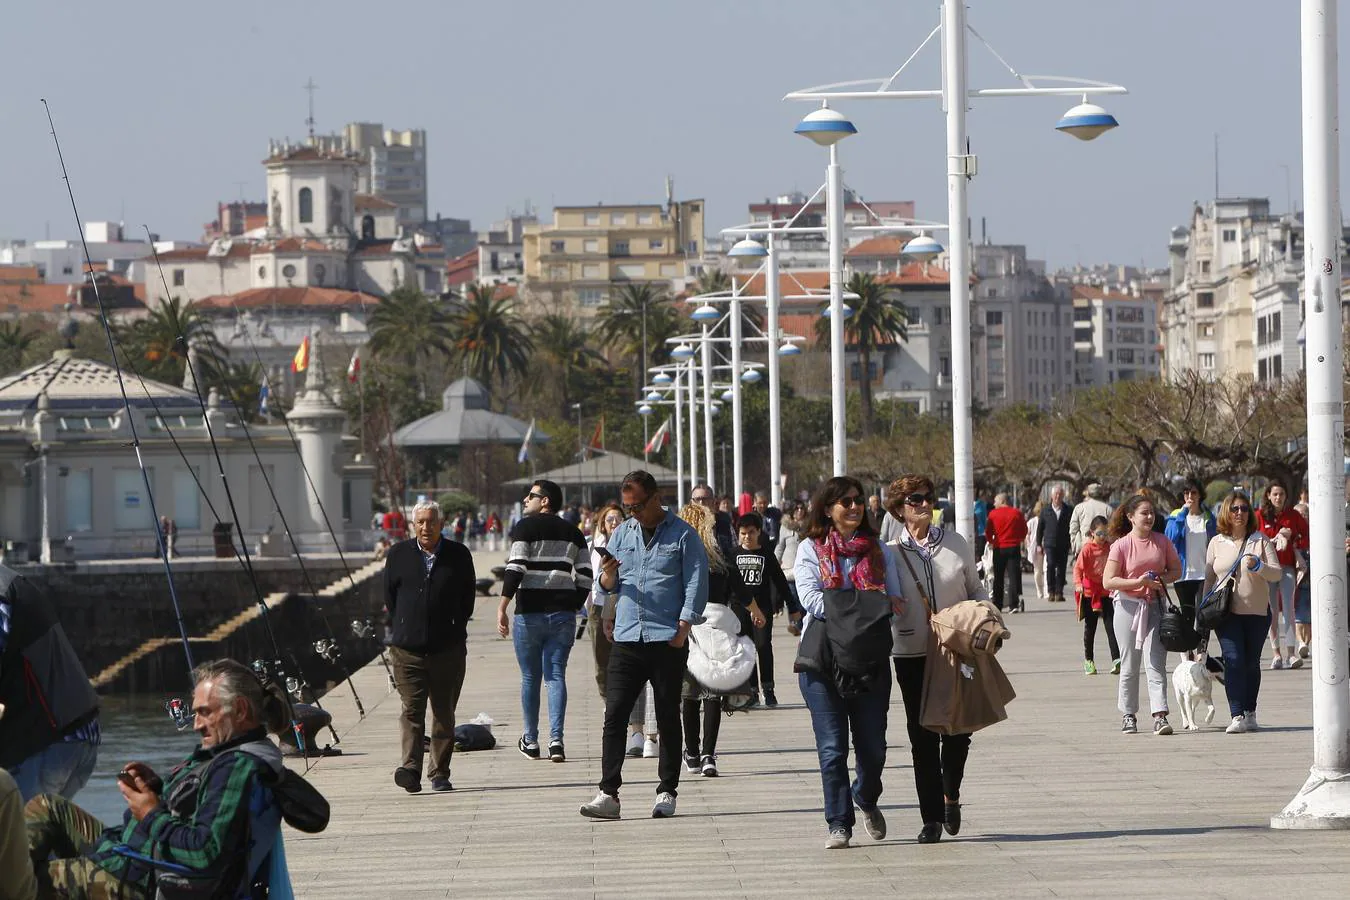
x=658 y=568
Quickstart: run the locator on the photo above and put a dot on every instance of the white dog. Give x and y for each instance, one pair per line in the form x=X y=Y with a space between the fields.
x=1193 y=685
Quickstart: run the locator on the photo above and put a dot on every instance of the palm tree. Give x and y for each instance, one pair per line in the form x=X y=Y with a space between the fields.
x=241 y=382
x=409 y=327
x=157 y=344
x=559 y=339
x=14 y=343
x=627 y=322
x=490 y=338
x=711 y=281
x=878 y=318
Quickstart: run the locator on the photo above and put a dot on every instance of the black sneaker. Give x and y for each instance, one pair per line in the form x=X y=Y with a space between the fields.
x=528 y=749
x=408 y=779
x=692 y=764
x=555 y=752
x=1128 y=724
x=753 y=701
x=770 y=700
x=441 y=783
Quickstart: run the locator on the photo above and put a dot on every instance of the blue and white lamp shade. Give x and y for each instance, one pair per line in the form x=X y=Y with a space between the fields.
x=825 y=313
x=661 y=378
x=682 y=351
x=921 y=248
x=728 y=395
x=825 y=126
x=653 y=396
x=705 y=313
x=750 y=376
x=789 y=350
x=1087 y=121
x=748 y=248
x=644 y=410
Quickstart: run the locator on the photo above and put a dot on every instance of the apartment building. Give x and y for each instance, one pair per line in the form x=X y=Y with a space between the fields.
x=576 y=259
x=1115 y=336
x=393 y=167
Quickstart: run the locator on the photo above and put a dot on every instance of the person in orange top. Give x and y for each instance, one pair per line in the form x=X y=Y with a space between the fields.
x=1093 y=600
x=1005 y=530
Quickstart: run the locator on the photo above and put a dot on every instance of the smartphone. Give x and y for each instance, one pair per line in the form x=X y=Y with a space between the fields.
x=126 y=778
x=604 y=554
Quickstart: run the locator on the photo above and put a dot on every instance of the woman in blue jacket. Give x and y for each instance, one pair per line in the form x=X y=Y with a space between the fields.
x=1190 y=529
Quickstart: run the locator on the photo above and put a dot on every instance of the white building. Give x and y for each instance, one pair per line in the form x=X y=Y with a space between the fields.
x=1115 y=337
x=63 y=262
x=393 y=168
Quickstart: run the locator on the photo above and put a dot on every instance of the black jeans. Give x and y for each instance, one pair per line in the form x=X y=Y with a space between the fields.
x=1090 y=625
x=763 y=638
x=631 y=665
x=712 y=723
x=1008 y=567
x=939 y=760
x=1056 y=559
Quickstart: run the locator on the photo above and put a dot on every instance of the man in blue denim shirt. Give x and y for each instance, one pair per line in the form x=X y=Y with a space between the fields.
x=657 y=566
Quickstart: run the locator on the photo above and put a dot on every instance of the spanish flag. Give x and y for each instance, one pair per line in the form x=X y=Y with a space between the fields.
x=301 y=361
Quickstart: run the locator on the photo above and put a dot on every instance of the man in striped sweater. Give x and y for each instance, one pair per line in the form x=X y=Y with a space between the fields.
x=549 y=576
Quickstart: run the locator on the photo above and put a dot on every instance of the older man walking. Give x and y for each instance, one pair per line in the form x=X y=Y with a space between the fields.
x=659 y=569
x=1054 y=540
x=429 y=590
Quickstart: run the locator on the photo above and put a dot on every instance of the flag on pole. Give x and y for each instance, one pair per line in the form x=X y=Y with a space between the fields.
x=598 y=438
x=354 y=367
x=660 y=439
x=524 y=453
x=301 y=361
x=262 y=399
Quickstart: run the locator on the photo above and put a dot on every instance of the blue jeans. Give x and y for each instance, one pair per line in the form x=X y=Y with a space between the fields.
x=63 y=768
x=543 y=642
x=1241 y=639
x=832 y=719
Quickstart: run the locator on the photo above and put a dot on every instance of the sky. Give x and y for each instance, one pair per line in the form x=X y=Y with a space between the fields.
x=165 y=108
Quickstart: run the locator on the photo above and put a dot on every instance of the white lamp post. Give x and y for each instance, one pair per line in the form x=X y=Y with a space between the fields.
x=827 y=128
x=679 y=444
x=1324 y=800
x=693 y=425
x=745 y=248
x=1085 y=122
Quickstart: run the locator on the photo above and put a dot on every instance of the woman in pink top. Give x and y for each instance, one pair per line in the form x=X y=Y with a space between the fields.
x=1139 y=563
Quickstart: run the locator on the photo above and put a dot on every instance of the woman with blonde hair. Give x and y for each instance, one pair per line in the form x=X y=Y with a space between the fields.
x=1035 y=552
x=721 y=655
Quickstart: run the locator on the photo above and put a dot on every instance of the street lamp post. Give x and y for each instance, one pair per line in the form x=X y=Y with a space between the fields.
x=679 y=443
x=693 y=426
x=771 y=301
x=707 y=408
x=1084 y=121
x=1324 y=800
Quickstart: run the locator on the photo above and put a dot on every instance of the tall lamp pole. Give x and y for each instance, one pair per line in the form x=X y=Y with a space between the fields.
x=1324 y=800
x=693 y=426
x=771 y=301
x=679 y=443
x=707 y=408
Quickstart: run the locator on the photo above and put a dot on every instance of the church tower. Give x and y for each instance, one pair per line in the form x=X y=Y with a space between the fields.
x=310 y=189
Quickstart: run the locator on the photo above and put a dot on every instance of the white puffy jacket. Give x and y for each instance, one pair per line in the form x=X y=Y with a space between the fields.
x=719 y=658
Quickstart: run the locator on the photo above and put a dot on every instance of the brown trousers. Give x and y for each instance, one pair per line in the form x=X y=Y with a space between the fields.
x=423 y=678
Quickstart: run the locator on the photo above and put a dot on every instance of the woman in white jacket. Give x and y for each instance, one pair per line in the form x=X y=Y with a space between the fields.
x=721 y=651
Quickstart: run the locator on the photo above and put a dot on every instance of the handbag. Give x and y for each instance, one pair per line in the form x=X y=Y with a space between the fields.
x=1217 y=605
x=1176 y=630
x=813 y=651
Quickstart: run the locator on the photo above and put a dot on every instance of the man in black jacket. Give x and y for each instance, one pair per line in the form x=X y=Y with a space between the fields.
x=1054 y=538
x=429 y=590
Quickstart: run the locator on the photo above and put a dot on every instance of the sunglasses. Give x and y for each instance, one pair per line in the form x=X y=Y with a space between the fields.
x=1238 y=508
x=919 y=499
x=534 y=495
x=631 y=508
x=706 y=498
x=1099 y=534
x=849 y=502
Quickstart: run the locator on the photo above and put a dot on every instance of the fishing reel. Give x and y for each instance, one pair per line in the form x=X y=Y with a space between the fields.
x=328 y=649
x=180 y=712
x=365 y=630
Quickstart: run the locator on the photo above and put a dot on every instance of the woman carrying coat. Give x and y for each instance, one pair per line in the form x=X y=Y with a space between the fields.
x=839 y=550
x=937 y=564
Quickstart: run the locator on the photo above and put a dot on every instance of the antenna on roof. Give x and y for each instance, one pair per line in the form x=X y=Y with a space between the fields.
x=310 y=88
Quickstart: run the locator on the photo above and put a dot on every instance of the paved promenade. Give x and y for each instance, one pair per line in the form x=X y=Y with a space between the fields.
x=1057 y=802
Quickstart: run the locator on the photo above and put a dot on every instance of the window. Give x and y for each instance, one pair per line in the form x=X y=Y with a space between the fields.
x=591 y=245
x=1276 y=368
x=187 y=511
x=319 y=272
x=1125 y=357
x=1207 y=330
x=131 y=509
x=1229 y=235
x=617 y=219
x=656 y=244
x=557 y=246
x=288 y=271
x=940 y=315
x=645 y=218
x=618 y=248
x=590 y=297
x=592 y=218
x=692 y=249
x=1204 y=300
x=80 y=500
x=68 y=269
x=632 y=271
x=855 y=371
x=367 y=228
x=306 y=205
x=1262 y=370
x=262 y=271
x=669 y=270
x=177 y=277
x=945 y=366
x=1206 y=360
x=591 y=271
x=993 y=317
x=1204 y=267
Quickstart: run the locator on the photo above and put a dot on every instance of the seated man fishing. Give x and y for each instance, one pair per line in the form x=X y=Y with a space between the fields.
x=213 y=824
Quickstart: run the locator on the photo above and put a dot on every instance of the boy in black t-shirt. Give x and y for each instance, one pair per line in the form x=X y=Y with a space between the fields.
x=763 y=576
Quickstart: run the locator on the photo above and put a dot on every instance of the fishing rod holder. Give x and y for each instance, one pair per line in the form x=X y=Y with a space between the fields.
x=328 y=649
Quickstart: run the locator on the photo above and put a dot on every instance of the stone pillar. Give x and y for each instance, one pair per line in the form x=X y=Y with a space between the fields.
x=318 y=424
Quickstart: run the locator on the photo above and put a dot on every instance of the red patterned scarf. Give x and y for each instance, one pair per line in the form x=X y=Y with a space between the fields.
x=869 y=572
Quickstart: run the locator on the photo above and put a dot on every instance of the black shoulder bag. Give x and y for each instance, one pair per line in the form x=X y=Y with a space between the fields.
x=1217 y=605
x=1176 y=629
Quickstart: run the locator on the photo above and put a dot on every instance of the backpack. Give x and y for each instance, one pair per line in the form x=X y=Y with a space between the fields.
x=858 y=631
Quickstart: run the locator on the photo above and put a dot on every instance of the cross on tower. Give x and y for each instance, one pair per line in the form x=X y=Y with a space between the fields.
x=310 y=88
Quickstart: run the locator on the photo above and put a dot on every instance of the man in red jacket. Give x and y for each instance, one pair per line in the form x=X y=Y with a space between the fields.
x=1005 y=531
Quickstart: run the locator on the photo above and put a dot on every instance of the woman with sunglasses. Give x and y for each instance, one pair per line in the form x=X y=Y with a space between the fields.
x=1093 y=601
x=839 y=550
x=1140 y=562
x=937 y=570
x=1242 y=633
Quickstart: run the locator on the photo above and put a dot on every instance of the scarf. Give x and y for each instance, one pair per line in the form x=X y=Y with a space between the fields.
x=869 y=572
x=930 y=543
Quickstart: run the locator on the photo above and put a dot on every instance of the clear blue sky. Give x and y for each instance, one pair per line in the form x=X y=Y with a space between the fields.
x=163 y=107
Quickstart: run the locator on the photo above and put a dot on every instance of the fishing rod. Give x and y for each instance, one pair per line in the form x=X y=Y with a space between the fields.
x=126 y=405
x=329 y=648
x=361 y=630
x=275 y=672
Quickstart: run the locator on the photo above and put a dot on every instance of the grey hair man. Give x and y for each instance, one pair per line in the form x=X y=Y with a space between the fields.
x=1094 y=504
x=429 y=592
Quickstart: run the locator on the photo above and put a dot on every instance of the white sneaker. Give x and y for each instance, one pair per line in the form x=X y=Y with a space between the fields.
x=649 y=749
x=1277 y=663
x=1295 y=661
x=1252 y=724
x=1303 y=650
x=1237 y=726
x=602 y=807
x=635 y=744
x=665 y=806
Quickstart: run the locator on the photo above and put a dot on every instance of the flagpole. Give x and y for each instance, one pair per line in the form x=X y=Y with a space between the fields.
x=361 y=397
x=646 y=438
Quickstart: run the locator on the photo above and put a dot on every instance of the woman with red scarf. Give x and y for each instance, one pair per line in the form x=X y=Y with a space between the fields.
x=839 y=549
x=1283 y=525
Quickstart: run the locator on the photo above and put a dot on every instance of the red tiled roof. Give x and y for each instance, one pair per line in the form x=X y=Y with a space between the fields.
x=881 y=245
x=238 y=250
x=289 y=298
x=19 y=274
x=1091 y=292
x=917 y=274
x=305 y=154
x=52 y=298
x=290 y=245
x=370 y=201
x=462 y=269
x=789 y=284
